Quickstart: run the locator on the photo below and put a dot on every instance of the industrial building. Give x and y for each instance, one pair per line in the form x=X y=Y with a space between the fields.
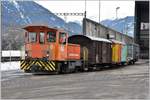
x=141 y=34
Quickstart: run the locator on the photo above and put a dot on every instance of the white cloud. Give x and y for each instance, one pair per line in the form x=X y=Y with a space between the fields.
x=107 y=9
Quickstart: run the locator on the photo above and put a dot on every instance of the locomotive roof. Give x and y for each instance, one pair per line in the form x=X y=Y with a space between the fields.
x=39 y=27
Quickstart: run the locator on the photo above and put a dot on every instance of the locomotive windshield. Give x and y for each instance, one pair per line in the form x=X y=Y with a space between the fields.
x=51 y=37
x=41 y=37
x=32 y=37
x=62 y=38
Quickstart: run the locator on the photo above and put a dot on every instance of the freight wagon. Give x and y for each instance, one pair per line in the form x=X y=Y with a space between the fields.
x=50 y=50
x=116 y=52
x=133 y=53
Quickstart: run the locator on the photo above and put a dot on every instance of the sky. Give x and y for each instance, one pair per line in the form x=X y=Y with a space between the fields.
x=107 y=9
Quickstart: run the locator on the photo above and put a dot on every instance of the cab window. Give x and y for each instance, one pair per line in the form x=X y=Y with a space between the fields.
x=51 y=37
x=62 y=38
x=41 y=37
x=32 y=37
x=26 y=37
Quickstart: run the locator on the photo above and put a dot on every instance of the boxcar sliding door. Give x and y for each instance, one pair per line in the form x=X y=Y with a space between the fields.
x=104 y=52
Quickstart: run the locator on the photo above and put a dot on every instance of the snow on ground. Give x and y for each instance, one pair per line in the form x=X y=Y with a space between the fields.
x=10 y=65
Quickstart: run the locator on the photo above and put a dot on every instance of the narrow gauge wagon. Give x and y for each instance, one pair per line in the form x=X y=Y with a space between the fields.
x=116 y=51
x=124 y=53
x=132 y=53
x=95 y=51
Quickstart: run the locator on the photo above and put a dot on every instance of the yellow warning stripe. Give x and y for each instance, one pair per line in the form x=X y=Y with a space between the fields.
x=26 y=66
x=21 y=62
x=23 y=65
x=51 y=65
x=30 y=64
x=44 y=65
x=39 y=64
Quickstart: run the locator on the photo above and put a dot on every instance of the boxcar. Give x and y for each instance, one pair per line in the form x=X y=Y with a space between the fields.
x=116 y=51
x=124 y=53
x=94 y=50
x=132 y=53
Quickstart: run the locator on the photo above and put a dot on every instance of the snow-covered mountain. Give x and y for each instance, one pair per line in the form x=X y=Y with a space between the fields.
x=123 y=25
x=17 y=14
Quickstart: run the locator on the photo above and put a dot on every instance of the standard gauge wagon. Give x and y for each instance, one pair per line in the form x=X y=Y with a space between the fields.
x=124 y=53
x=116 y=51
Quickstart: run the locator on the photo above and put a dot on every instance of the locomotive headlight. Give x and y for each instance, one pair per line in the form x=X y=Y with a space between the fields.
x=26 y=53
x=47 y=54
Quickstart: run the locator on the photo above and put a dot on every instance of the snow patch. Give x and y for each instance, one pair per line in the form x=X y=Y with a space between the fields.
x=16 y=5
x=21 y=15
x=10 y=66
x=19 y=10
x=52 y=18
x=29 y=20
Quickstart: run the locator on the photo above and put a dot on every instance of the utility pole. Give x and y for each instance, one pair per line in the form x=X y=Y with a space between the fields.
x=117 y=12
x=85 y=10
x=10 y=53
x=99 y=10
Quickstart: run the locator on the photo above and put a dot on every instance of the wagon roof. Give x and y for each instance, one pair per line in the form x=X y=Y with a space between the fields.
x=99 y=39
x=119 y=42
x=92 y=38
x=133 y=44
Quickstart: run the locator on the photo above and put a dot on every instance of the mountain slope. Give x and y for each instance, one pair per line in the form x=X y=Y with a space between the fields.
x=123 y=25
x=17 y=14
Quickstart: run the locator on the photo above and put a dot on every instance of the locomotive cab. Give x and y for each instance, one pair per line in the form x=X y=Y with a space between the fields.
x=43 y=48
x=41 y=43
